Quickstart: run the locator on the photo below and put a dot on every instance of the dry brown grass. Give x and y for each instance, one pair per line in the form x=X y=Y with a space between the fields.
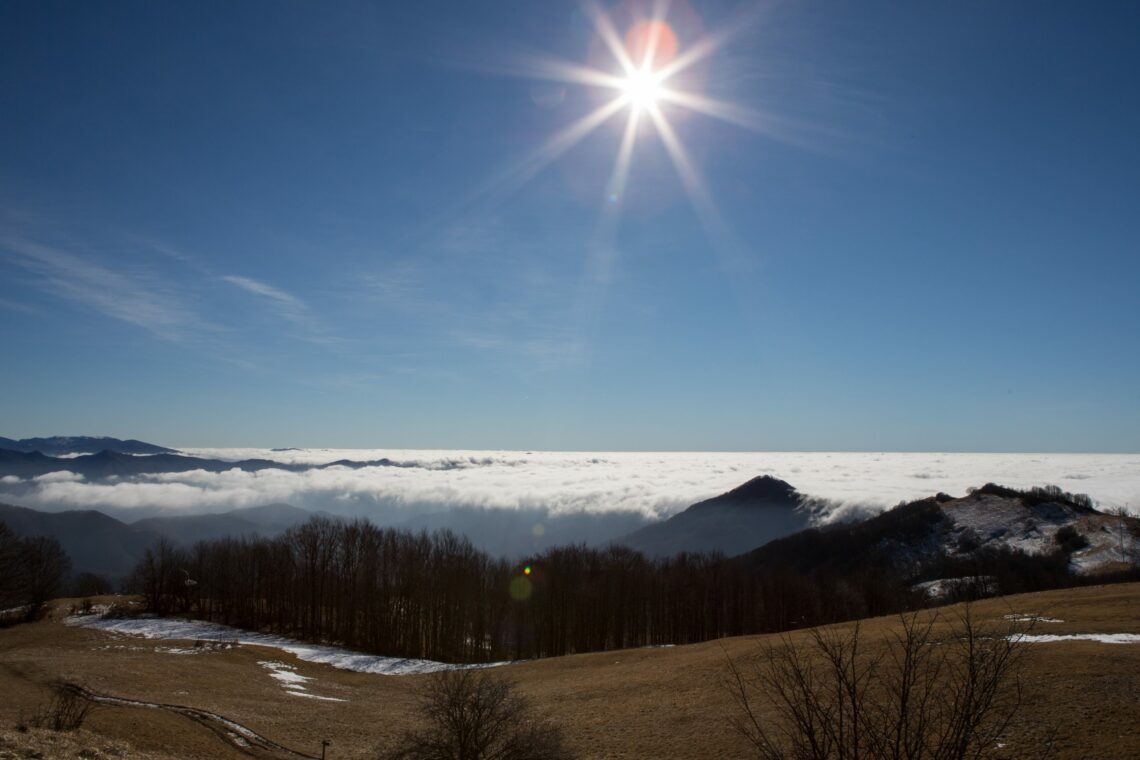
x=642 y=703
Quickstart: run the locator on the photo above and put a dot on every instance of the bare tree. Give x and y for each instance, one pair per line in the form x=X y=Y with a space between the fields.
x=43 y=567
x=474 y=715
x=920 y=696
x=9 y=567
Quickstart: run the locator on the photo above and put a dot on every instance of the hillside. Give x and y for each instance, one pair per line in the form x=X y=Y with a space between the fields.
x=637 y=703
x=748 y=516
x=943 y=535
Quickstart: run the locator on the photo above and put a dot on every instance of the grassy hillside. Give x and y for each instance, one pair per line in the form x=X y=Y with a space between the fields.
x=651 y=703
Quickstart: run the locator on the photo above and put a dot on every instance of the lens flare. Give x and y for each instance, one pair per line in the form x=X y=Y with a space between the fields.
x=651 y=41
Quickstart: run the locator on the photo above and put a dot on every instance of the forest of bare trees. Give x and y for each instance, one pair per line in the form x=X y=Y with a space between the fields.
x=436 y=596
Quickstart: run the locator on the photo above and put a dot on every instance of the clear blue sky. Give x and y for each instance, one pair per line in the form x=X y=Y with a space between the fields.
x=304 y=224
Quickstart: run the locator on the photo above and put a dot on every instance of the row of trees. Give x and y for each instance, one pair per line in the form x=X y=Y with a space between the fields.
x=32 y=571
x=436 y=596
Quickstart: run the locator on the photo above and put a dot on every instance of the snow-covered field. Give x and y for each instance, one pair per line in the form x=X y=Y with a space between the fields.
x=654 y=484
x=180 y=629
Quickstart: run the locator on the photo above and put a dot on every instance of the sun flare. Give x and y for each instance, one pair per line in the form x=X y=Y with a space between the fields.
x=643 y=89
x=649 y=73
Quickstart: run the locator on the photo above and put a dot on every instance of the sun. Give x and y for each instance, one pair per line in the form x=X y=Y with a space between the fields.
x=645 y=79
x=642 y=88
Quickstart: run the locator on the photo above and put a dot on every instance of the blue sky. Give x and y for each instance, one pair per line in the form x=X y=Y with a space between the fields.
x=315 y=224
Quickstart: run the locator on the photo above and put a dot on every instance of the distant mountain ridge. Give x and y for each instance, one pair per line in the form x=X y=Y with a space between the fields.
x=750 y=515
x=100 y=544
x=109 y=463
x=56 y=445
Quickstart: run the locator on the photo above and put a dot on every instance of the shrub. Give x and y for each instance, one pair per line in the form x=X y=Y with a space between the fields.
x=66 y=711
x=474 y=715
x=943 y=698
x=1070 y=540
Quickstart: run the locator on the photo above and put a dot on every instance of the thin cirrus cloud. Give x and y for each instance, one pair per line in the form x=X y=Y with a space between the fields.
x=289 y=308
x=651 y=484
x=141 y=300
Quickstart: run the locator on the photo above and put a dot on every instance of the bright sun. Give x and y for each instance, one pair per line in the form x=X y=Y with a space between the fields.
x=642 y=88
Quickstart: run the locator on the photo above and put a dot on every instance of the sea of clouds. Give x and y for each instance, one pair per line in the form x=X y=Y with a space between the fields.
x=650 y=484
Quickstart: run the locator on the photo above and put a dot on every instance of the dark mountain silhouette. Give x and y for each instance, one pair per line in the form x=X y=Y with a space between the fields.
x=112 y=463
x=100 y=544
x=81 y=444
x=748 y=516
x=95 y=542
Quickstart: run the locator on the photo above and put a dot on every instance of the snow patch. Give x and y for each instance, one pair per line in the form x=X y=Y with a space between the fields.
x=1018 y=618
x=1103 y=638
x=197 y=630
x=292 y=681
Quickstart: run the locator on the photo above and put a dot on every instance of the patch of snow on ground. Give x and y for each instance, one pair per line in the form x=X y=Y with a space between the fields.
x=292 y=681
x=1103 y=638
x=1017 y=618
x=197 y=630
x=178 y=650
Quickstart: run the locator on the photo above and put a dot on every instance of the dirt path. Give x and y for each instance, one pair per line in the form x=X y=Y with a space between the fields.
x=240 y=737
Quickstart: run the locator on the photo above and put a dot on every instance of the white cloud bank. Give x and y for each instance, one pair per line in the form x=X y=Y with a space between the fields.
x=654 y=484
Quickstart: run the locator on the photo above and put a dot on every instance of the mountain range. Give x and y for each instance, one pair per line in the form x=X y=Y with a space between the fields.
x=110 y=463
x=57 y=445
x=765 y=521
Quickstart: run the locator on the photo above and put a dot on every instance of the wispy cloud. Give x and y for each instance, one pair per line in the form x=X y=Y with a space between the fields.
x=289 y=308
x=138 y=299
x=289 y=305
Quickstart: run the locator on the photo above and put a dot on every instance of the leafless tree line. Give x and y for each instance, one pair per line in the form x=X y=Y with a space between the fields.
x=436 y=596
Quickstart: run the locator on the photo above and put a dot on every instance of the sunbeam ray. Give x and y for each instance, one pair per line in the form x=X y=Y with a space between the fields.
x=552 y=149
x=732 y=113
x=616 y=187
x=610 y=37
x=691 y=180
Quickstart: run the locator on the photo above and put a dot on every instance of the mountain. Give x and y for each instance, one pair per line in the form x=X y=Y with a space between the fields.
x=100 y=544
x=57 y=445
x=991 y=528
x=95 y=542
x=267 y=520
x=748 y=516
x=109 y=463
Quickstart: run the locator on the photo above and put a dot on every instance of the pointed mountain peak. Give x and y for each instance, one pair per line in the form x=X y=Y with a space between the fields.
x=764 y=488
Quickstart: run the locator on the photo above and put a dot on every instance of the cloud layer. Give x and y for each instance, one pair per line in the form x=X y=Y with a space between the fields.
x=652 y=484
